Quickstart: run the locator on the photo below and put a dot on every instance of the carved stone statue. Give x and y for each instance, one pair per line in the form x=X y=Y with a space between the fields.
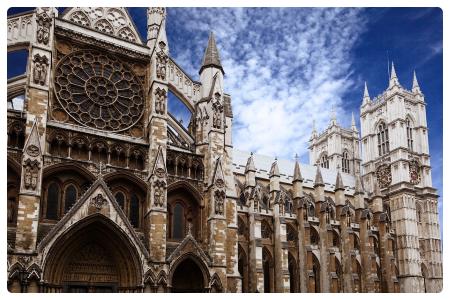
x=31 y=173
x=160 y=101
x=40 y=69
x=219 y=199
x=217 y=112
x=44 y=23
x=161 y=62
x=159 y=190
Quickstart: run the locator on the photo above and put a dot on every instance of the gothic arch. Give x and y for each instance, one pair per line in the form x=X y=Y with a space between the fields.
x=122 y=267
x=128 y=176
x=187 y=186
x=50 y=170
x=194 y=260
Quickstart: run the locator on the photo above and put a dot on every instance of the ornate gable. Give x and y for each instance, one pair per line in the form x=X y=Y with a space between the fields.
x=98 y=199
x=110 y=20
x=189 y=245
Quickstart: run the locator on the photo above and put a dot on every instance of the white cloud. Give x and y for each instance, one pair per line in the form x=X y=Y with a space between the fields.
x=283 y=68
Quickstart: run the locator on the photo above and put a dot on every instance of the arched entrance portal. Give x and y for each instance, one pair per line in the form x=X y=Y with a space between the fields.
x=188 y=278
x=94 y=256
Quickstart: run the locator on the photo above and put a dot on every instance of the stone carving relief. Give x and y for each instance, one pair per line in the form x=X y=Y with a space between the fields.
x=31 y=174
x=33 y=150
x=414 y=172
x=161 y=62
x=44 y=22
x=110 y=20
x=384 y=176
x=219 y=200
x=159 y=187
x=98 y=201
x=217 y=111
x=160 y=101
x=41 y=63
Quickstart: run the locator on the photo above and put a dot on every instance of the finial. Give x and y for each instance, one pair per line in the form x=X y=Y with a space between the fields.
x=333 y=115
x=189 y=229
x=101 y=165
x=393 y=80
x=353 y=122
x=415 y=85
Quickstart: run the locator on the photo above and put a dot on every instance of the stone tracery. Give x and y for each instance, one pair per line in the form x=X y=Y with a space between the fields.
x=99 y=91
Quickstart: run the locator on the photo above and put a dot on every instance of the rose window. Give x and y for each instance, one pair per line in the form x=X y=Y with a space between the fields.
x=99 y=91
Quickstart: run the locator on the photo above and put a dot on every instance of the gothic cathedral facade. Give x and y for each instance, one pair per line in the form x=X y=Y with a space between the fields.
x=108 y=192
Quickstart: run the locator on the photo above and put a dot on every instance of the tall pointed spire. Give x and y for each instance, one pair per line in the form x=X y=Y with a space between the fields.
x=333 y=116
x=366 y=97
x=393 y=80
x=297 y=173
x=318 y=180
x=354 y=123
x=415 y=85
x=211 y=57
x=313 y=132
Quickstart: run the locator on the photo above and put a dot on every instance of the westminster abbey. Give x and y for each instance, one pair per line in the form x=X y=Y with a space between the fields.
x=108 y=192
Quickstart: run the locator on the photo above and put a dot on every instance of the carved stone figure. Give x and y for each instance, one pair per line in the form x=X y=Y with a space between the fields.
x=159 y=190
x=31 y=173
x=40 y=69
x=160 y=101
x=384 y=176
x=44 y=23
x=161 y=62
x=217 y=112
x=219 y=199
x=98 y=201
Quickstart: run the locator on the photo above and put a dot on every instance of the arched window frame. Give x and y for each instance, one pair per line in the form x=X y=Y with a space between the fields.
x=46 y=202
x=382 y=138
x=63 y=204
x=345 y=162
x=409 y=134
x=124 y=204
x=183 y=219
x=324 y=161
x=135 y=223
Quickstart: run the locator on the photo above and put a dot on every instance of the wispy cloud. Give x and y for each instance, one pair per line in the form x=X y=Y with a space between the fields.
x=283 y=68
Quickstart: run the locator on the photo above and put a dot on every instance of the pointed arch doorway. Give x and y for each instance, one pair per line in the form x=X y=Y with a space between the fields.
x=94 y=256
x=188 y=277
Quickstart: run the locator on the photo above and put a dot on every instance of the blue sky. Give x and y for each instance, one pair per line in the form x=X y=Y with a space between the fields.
x=293 y=64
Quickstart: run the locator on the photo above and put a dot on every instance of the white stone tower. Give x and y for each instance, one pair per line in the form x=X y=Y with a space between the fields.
x=394 y=136
x=336 y=147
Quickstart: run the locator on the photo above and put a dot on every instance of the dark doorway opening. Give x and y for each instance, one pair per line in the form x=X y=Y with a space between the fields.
x=188 y=278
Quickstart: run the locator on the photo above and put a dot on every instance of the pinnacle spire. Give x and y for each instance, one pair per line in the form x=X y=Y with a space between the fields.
x=250 y=166
x=393 y=80
x=297 y=173
x=318 y=180
x=313 y=132
x=415 y=85
x=339 y=184
x=366 y=97
x=333 y=115
x=211 y=57
x=274 y=171
x=353 y=122
x=358 y=185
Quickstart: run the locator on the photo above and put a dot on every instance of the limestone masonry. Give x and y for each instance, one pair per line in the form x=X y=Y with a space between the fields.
x=108 y=192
